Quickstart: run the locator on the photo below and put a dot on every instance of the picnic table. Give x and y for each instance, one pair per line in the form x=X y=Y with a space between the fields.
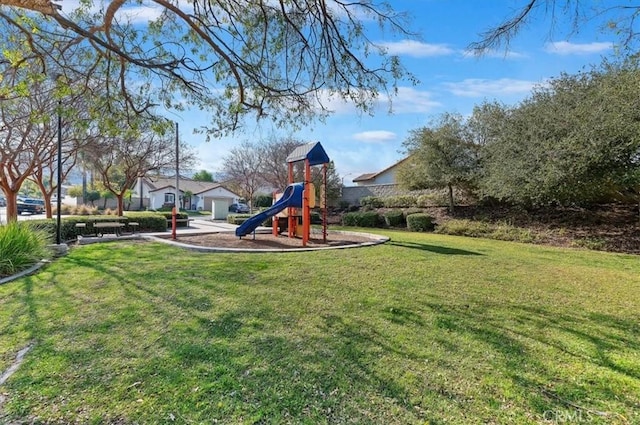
x=101 y=226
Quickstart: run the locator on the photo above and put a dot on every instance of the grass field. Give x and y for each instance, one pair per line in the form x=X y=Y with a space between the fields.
x=426 y=329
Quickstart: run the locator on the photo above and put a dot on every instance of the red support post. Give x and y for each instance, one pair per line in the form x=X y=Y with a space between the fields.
x=174 y=217
x=306 y=210
x=324 y=203
x=290 y=218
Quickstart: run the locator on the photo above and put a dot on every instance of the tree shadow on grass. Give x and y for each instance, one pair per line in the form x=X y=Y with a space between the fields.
x=265 y=364
x=433 y=248
x=539 y=349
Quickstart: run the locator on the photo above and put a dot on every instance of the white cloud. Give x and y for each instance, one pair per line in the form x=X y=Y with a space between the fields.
x=415 y=49
x=141 y=14
x=407 y=100
x=497 y=54
x=375 y=136
x=565 y=48
x=476 y=87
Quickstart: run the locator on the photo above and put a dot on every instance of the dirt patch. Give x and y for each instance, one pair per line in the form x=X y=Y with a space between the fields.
x=268 y=241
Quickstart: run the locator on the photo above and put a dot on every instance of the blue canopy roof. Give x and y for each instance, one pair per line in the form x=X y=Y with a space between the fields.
x=313 y=151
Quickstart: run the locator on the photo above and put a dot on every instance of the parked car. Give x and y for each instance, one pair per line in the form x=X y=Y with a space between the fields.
x=3 y=202
x=30 y=205
x=239 y=208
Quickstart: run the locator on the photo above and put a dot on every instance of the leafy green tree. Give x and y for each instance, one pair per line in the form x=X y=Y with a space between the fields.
x=26 y=134
x=203 y=176
x=120 y=156
x=75 y=191
x=575 y=141
x=262 y=201
x=270 y=59
x=441 y=156
x=105 y=195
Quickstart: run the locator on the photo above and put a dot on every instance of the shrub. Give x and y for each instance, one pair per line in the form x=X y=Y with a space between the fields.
x=362 y=219
x=343 y=205
x=371 y=202
x=168 y=215
x=237 y=218
x=77 y=210
x=262 y=201
x=149 y=221
x=410 y=211
x=49 y=227
x=469 y=228
x=85 y=210
x=394 y=218
x=316 y=217
x=480 y=229
x=399 y=201
x=21 y=246
x=432 y=199
x=420 y=222
x=593 y=243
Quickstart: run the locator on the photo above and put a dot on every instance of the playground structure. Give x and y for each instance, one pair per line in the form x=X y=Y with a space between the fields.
x=297 y=198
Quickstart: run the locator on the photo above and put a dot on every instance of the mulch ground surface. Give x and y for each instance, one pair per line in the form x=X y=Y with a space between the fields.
x=268 y=241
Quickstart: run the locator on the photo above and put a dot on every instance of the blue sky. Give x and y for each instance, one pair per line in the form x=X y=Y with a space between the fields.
x=451 y=80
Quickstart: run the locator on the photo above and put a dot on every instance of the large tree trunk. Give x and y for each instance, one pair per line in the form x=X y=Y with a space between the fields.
x=451 y=204
x=47 y=204
x=12 y=206
x=46 y=195
x=120 y=198
x=46 y=7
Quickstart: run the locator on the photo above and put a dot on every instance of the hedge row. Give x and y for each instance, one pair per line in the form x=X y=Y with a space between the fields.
x=148 y=222
x=404 y=201
x=362 y=219
x=166 y=214
x=414 y=220
x=237 y=219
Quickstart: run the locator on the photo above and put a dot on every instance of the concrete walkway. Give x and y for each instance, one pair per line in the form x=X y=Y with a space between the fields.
x=198 y=226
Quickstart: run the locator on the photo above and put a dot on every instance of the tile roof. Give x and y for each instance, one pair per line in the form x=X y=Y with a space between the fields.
x=185 y=184
x=370 y=176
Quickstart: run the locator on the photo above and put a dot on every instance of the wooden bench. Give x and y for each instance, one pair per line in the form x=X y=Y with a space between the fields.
x=133 y=225
x=101 y=226
x=179 y=220
x=81 y=228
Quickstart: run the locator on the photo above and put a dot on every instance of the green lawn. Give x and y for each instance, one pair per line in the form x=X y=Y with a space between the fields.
x=424 y=329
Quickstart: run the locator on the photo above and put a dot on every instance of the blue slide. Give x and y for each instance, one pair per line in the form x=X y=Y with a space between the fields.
x=292 y=197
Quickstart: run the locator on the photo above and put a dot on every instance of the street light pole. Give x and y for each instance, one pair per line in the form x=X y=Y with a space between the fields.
x=59 y=179
x=176 y=199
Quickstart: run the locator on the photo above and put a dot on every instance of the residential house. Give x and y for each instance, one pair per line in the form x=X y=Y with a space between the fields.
x=160 y=191
x=381 y=183
x=386 y=176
